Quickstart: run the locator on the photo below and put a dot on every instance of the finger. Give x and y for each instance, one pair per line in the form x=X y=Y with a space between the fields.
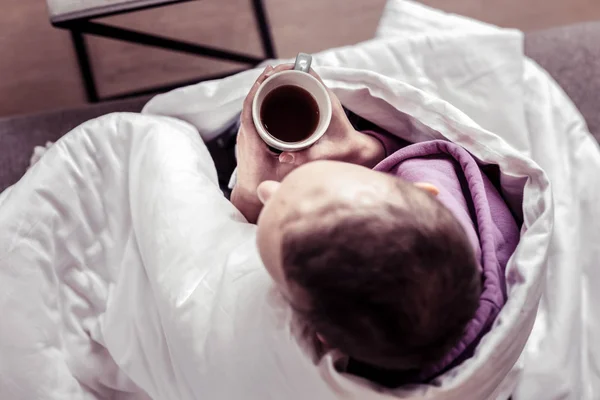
x=326 y=148
x=282 y=67
x=334 y=99
x=272 y=70
x=314 y=73
x=295 y=159
x=298 y=158
x=267 y=73
x=287 y=158
x=247 y=106
x=239 y=137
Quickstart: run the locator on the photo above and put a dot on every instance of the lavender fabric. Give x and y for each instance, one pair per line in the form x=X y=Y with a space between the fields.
x=491 y=227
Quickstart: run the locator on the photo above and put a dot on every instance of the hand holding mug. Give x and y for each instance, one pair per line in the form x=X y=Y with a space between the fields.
x=292 y=109
x=330 y=137
x=255 y=163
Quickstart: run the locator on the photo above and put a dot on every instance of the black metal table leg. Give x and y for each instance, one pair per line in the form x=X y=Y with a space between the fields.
x=132 y=36
x=83 y=26
x=264 y=28
x=85 y=68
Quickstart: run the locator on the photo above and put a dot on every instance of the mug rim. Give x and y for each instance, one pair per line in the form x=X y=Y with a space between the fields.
x=291 y=146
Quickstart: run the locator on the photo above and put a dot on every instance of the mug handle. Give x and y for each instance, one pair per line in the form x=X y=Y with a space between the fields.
x=303 y=62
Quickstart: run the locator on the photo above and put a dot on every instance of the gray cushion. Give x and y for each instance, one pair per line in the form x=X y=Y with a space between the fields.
x=571 y=54
x=19 y=135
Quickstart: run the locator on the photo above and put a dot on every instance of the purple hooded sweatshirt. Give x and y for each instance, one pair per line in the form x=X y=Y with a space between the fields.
x=488 y=222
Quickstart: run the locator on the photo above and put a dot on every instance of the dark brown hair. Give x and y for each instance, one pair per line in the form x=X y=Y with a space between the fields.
x=391 y=285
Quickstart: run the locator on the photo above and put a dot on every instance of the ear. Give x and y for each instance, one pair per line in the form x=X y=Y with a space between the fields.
x=266 y=189
x=428 y=187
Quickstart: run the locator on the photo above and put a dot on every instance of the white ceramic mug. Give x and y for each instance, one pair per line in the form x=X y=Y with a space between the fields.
x=300 y=77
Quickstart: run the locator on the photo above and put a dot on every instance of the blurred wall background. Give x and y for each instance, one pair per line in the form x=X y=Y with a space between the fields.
x=38 y=68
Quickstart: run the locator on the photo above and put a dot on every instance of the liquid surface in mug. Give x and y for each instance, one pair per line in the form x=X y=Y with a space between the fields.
x=289 y=113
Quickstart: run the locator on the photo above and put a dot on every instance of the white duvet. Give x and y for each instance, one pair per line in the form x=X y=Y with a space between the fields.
x=124 y=273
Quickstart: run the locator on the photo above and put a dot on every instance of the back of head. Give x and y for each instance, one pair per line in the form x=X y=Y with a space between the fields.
x=392 y=285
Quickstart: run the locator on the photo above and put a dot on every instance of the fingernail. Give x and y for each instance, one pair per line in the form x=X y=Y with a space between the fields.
x=286 y=158
x=269 y=71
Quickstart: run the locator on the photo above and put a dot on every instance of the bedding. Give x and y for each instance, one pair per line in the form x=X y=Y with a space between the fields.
x=125 y=273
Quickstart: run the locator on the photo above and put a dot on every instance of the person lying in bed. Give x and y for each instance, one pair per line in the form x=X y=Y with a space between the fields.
x=392 y=254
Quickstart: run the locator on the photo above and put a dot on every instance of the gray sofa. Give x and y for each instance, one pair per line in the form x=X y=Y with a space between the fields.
x=570 y=54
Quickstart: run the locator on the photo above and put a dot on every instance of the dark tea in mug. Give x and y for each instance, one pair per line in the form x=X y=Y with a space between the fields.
x=289 y=113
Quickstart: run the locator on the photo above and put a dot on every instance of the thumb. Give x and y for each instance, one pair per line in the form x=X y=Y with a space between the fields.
x=287 y=158
x=296 y=158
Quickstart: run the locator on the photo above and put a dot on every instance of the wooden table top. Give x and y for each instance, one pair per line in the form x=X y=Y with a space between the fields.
x=69 y=10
